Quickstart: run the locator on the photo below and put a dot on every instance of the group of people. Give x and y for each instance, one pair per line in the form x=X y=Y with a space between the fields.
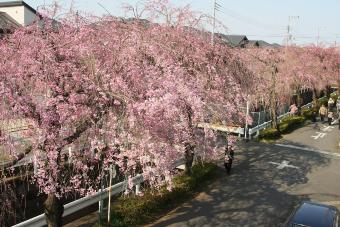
x=332 y=112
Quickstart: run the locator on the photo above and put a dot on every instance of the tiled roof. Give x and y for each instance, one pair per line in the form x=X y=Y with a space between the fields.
x=234 y=40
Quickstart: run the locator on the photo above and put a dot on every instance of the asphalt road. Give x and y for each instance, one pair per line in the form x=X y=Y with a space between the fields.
x=267 y=182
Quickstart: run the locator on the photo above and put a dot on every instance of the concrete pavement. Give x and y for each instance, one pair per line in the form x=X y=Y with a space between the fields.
x=267 y=182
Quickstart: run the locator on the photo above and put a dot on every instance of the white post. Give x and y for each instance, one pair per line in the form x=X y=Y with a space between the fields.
x=101 y=202
x=69 y=155
x=246 y=126
x=35 y=165
x=213 y=26
x=258 y=123
x=137 y=189
x=109 y=205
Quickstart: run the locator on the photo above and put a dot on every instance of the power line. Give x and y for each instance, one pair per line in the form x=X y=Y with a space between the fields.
x=251 y=21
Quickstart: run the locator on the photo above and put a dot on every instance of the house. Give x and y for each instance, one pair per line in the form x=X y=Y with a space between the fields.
x=233 y=40
x=7 y=23
x=261 y=43
x=19 y=11
x=243 y=42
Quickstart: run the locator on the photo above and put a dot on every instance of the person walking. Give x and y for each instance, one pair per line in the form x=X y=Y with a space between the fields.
x=330 y=103
x=313 y=116
x=293 y=109
x=330 y=117
x=322 y=112
x=228 y=158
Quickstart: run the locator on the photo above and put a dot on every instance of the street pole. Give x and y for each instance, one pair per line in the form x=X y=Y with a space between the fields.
x=35 y=165
x=289 y=29
x=213 y=27
x=109 y=203
x=69 y=155
x=246 y=126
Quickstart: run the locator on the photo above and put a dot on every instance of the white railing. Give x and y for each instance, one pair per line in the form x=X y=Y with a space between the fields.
x=82 y=203
x=265 y=125
x=222 y=128
x=268 y=123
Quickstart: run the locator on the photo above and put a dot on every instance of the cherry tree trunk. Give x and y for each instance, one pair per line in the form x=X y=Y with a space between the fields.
x=189 y=158
x=274 y=115
x=54 y=209
x=189 y=146
x=315 y=99
x=328 y=91
x=273 y=104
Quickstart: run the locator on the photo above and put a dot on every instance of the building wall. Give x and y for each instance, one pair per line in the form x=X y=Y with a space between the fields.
x=16 y=12
x=29 y=16
x=21 y=14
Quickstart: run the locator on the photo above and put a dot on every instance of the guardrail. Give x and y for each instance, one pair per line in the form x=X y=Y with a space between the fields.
x=82 y=203
x=265 y=125
x=268 y=123
x=232 y=129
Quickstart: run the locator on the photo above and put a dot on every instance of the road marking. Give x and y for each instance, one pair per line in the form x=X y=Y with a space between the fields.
x=320 y=135
x=308 y=149
x=283 y=165
x=327 y=128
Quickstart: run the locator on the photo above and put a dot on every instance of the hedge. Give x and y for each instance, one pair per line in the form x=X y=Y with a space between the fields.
x=287 y=125
x=139 y=210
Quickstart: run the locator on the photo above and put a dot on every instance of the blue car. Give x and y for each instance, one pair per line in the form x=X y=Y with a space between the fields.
x=310 y=214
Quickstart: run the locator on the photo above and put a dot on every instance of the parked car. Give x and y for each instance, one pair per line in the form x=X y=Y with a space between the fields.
x=310 y=214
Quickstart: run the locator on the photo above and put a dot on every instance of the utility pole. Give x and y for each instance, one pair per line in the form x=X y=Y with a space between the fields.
x=318 y=35
x=216 y=7
x=289 y=29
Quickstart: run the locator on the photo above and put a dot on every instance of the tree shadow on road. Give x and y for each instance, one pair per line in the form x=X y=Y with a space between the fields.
x=255 y=194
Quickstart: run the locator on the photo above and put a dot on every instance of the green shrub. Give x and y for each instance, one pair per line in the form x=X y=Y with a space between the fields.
x=287 y=125
x=136 y=210
x=269 y=134
x=307 y=113
x=323 y=101
x=334 y=96
x=290 y=123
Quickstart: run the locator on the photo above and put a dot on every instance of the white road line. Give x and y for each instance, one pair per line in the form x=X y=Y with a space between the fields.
x=327 y=128
x=308 y=149
x=320 y=135
x=283 y=165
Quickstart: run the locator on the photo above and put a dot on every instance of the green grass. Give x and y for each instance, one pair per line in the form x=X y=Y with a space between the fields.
x=136 y=211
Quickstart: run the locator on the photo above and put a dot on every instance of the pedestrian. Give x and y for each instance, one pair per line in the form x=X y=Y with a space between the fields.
x=339 y=120
x=313 y=116
x=228 y=158
x=293 y=109
x=330 y=103
x=338 y=105
x=322 y=112
x=330 y=117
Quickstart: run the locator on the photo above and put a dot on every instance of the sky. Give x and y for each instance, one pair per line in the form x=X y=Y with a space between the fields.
x=310 y=20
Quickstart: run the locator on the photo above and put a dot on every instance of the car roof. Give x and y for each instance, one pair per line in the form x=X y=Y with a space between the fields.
x=313 y=214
